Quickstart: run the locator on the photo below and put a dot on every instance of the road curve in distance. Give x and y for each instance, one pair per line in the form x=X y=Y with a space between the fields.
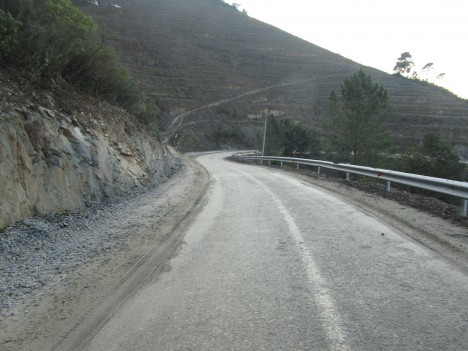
x=272 y=263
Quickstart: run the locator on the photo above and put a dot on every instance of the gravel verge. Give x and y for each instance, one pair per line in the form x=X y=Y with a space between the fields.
x=38 y=251
x=64 y=274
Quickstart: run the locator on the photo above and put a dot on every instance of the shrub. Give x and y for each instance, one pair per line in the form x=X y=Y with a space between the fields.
x=53 y=38
x=52 y=34
x=432 y=158
x=8 y=33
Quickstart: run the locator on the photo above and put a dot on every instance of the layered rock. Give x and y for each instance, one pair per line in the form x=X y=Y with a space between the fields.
x=66 y=153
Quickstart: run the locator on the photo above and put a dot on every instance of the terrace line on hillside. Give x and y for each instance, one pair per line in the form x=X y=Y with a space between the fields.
x=193 y=53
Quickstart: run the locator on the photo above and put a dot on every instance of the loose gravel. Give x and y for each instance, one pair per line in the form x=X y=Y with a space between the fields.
x=38 y=251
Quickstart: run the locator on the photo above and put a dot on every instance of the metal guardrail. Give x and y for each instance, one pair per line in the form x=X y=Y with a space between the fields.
x=438 y=185
x=247 y=153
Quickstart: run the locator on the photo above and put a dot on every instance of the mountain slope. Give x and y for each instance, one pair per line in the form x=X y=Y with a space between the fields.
x=194 y=53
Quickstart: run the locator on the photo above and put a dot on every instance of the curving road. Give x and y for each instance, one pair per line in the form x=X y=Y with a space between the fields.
x=178 y=120
x=272 y=263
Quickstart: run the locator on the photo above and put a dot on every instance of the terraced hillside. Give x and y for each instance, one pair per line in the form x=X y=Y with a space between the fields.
x=230 y=70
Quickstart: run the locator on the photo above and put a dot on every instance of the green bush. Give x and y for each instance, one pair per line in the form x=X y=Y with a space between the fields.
x=53 y=38
x=432 y=158
x=289 y=138
x=101 y=74
x=147 y=113
x=8 y=33
x=52 y=34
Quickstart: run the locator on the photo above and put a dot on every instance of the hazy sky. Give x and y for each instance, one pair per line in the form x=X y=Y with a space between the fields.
x=376 y=32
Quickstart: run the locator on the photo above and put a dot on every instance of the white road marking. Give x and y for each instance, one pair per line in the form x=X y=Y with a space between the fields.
x=331 y=319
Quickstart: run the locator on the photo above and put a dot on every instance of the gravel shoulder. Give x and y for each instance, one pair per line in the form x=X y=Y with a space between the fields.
x=63 y=275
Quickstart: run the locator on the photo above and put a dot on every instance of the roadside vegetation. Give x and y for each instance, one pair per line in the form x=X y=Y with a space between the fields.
x=289 y=138
x=53 y=41
x=432 y=157
x=355 y=133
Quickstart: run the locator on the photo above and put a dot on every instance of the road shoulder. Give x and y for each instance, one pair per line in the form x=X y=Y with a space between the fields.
x=71 y=308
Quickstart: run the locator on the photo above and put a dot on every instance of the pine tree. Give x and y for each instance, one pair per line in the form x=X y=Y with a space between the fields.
x=355 y=130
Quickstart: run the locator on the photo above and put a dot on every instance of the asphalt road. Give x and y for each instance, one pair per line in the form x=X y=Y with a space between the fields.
x=272 y=263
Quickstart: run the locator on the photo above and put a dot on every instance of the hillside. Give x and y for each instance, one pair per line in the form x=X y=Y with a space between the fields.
x=193 y=53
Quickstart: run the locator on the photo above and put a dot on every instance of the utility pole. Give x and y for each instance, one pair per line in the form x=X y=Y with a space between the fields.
x=264 y=135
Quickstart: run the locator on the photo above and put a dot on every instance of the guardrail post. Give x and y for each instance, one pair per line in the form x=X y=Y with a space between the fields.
x=444 y=186
x=281 y=164
x=464 y=208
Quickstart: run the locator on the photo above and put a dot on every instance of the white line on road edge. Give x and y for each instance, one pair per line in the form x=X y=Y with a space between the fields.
x=331 y=318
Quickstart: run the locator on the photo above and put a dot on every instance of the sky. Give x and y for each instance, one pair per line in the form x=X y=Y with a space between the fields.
x=376 y=32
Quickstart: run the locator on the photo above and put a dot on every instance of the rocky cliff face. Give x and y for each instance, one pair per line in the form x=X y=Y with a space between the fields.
x=62 y=151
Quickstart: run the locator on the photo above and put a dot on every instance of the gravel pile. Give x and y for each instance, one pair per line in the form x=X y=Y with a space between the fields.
x=37 y=251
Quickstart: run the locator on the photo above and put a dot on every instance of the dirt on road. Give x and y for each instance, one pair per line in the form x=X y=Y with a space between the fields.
x=66 y=312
